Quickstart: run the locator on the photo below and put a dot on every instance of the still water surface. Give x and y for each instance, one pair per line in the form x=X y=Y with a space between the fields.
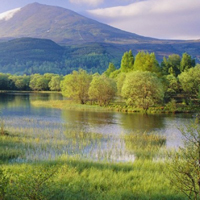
x=16 y=110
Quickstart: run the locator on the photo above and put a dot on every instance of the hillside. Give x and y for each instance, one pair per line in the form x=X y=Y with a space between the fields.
x=33 y=55
x=40 y=38
x=62 y=26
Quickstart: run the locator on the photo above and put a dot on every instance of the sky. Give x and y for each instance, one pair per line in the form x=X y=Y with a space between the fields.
x=163 y=19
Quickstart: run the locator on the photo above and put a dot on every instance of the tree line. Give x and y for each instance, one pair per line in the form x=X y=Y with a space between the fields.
x=35 y=82
x=141 y=81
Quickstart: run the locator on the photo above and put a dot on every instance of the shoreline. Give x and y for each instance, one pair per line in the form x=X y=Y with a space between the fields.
x=114 y=107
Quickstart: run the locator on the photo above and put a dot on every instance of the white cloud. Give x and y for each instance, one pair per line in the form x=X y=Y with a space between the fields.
x=88 y=2
x=176 y=19
x=9 y=14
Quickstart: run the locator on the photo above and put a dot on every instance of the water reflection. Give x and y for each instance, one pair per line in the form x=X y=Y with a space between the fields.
x=142 y=123
x=17 y=105
x=98 y=122
x=23 y=99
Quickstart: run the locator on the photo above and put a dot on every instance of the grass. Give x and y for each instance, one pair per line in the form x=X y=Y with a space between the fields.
x=115 y=107
x=145 y=146
x=74 y=180
x=59 y=163
x=69 y=105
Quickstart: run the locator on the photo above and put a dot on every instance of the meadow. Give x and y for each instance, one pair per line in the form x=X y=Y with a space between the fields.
x=56 y=162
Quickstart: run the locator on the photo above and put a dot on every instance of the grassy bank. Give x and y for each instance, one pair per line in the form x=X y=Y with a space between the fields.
x=117 y=107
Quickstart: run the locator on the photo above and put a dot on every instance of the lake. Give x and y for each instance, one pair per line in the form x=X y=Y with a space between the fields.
x=91 y=135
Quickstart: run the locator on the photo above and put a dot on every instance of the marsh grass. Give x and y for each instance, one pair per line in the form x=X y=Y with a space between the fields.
x=145 y=145
x=68 y=105
x=57 y=162
x=33 y=140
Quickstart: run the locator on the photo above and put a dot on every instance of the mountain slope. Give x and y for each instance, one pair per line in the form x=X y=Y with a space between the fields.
x=40 y=38
x=26 y=49
x=61 y=25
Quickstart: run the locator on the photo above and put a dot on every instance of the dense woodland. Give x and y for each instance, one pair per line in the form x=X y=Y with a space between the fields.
x=141 y=81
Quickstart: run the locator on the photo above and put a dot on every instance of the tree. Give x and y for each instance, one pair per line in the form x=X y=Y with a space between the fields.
x=127 y=62
x=38 y=82
x=115 y=73
x=111 y=68
x=20 y=82
x=120 y=81
x=186 y=62
x=48 y=76
x=76 y=85
x=54 y=83
x=184 y=164
x=146 y=62
x=172 y=85
x=102 y=89
x=4 y=81
x=171 y=65
x=190 y=80
x=165 y=66
x=142 y=89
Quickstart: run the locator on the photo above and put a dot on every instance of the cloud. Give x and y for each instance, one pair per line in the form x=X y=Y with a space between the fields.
x=161 y=19
x=9 y=14
x=88 y=2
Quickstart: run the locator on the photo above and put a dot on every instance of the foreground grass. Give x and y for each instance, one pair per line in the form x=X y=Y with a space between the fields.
x=71 y=178
x=84 y=180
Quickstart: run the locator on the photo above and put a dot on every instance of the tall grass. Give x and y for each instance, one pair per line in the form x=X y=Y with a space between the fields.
x=57 y=162
x=80 y=180
x=144 y=145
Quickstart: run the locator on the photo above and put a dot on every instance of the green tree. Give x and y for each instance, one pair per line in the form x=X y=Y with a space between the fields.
x=186 y=62
x=184 y=164
x=48 y=76
x=190 y=80
x=76 y=85
x=172 y=84
x=102 y=89
x=20 y=82
x=142 y=89
x=171 y=65
x=111 y=68
x=38 y=82
x=127 y=62
x=146 y=62
x=54 y=83
x=4 y=81
x=120 y=81
x=115 y=73
x=165 y=66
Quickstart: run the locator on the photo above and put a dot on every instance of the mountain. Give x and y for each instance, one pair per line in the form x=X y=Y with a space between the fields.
x=40 y=38
x=60 y=25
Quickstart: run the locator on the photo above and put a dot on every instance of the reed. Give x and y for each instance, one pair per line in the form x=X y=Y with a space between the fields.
x=56 y=162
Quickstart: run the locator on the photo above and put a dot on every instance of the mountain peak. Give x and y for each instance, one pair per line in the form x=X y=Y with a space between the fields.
x=61 y=25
